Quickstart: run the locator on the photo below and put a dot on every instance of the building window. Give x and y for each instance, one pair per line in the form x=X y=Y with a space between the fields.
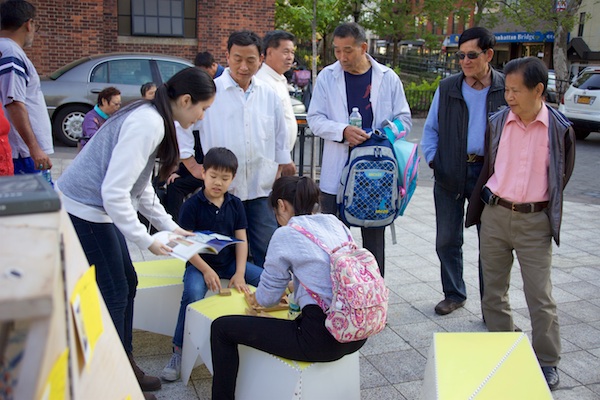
x=162 y=18
x=157 y=17
x=581 y=24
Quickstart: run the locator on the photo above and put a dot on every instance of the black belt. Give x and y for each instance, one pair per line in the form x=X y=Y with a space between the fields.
x=474 y=158
x=491 y=199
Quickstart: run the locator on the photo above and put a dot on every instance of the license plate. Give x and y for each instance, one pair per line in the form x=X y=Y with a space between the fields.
x=584 y=100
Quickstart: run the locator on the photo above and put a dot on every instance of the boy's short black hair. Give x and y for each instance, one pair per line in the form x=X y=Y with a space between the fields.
x=220 y=158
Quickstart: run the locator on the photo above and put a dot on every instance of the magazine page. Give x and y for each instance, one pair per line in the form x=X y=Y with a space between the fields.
x=184 y=247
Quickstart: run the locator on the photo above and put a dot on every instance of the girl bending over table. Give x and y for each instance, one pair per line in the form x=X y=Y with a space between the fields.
x=294 y=199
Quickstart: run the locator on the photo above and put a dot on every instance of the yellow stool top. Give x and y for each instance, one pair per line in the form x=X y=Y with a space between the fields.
x=158 y=273
x=214 y=307
x=481 y=365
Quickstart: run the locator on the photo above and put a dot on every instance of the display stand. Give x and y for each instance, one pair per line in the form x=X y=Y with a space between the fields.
x=42 y=263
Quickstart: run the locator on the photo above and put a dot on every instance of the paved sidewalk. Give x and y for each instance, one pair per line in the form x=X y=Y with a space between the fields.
x=393 y=362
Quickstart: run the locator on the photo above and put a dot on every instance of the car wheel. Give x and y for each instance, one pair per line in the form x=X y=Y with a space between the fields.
x=581 y=134
x=67 y=124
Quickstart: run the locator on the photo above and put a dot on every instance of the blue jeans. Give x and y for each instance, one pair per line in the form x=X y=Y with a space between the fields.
x=261 y=225
x=194 y=289
x=449 y=216
x=106 y=248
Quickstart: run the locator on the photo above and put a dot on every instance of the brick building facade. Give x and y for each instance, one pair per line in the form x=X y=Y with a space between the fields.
x=74 y=29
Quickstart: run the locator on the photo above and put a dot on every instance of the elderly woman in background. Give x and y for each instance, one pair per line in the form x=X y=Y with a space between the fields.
x=109 y=101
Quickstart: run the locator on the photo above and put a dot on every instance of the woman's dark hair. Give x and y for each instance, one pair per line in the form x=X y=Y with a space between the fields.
x=533 y=69
x=220 y=158
x=145 y=87
x=201 y=87
x=301 y=191
x=107 y=94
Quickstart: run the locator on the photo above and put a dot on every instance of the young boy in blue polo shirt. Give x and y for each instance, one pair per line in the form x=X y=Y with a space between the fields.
x=213 y=209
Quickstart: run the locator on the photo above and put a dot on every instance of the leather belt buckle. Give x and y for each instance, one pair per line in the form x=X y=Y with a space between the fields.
x=472 y=158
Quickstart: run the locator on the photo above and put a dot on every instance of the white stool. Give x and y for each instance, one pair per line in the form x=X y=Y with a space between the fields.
x=263 y=375
x=158 y=295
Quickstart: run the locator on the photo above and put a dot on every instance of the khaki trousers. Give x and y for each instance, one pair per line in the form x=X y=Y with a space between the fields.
x=529 y=235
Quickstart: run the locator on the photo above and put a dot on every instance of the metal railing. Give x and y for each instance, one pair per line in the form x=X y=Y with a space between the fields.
x=308 y=150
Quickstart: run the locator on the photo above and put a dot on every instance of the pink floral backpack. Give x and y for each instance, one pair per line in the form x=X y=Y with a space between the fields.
x=360 y=298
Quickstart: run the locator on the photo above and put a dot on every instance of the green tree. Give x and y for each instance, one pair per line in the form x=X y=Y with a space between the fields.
x=296 y=16
x=392 y=20
x=534 y=14
x=396 y=20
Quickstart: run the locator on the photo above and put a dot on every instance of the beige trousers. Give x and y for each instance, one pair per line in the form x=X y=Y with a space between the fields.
x=529 y=235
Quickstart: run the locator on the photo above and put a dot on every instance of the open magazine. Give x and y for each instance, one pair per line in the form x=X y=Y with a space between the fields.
x=205 y=242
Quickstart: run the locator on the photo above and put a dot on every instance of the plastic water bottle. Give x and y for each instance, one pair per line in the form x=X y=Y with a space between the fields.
x=47 y=176
x=355 y=118
x=293 y=308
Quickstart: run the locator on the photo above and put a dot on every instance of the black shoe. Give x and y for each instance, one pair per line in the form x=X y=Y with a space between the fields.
x=446 y=306
x=551 y=375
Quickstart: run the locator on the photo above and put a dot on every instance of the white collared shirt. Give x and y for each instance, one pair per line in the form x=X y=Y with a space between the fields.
x=279 y=84
x=328 y=114
x=251 y=124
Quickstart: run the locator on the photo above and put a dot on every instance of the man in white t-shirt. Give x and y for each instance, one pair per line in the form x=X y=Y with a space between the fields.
x=246 y=117
x=278 y=51
x=21 y=95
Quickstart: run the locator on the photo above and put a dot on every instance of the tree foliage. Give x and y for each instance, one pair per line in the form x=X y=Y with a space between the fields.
x=296 y=17
x=396 y=20
x=533 y=14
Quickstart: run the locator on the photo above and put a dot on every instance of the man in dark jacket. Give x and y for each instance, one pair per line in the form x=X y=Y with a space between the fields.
x=529 y=158
x=453 y=141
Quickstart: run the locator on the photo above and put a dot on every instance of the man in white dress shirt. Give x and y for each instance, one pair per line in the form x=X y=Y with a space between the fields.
x=247 y=118
x=278 y=51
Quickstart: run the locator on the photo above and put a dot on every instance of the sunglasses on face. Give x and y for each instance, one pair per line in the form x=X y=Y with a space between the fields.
x=472 y=55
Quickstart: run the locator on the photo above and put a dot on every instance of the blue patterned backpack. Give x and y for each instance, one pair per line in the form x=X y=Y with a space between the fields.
x=369 y=194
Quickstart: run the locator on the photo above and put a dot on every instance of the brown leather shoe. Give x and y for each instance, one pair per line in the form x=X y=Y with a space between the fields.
x=147 y=383
x=446 y=306
x=148 y=396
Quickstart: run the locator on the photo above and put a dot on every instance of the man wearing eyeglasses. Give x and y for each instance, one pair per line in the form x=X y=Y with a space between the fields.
x=453 y=145
x=21 y=95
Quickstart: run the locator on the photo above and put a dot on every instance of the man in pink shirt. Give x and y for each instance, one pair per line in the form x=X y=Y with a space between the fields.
x=529 y=158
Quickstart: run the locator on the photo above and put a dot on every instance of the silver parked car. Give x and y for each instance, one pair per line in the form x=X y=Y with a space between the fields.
x=72 y=90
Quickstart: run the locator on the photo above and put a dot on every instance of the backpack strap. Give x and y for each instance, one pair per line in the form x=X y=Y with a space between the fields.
x=318 y=241
x=323 y=246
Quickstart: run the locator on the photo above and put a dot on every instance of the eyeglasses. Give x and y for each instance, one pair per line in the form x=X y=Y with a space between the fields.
x=115 y=104
x=472 y=55
x=36 y=24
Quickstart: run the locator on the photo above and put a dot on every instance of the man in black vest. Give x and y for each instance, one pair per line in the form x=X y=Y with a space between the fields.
x=453 y=144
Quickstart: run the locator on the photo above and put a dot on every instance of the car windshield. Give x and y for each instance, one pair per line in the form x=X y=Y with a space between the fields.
x=588 y=81
x=56 y=74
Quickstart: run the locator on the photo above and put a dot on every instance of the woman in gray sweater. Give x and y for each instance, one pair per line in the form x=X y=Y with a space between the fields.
x=290 y=255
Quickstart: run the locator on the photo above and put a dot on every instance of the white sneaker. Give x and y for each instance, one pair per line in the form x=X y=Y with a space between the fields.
x=172 y=371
